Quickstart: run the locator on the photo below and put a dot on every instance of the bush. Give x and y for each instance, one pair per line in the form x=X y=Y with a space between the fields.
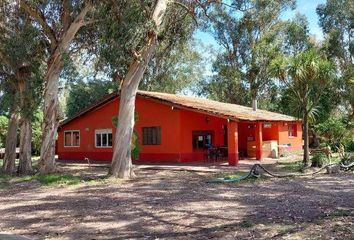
x=3 y=130
x=319 y=160
x=350 y=146
x=335 y=131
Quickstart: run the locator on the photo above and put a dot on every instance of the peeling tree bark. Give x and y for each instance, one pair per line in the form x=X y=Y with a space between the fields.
x=10 y=147
x=51 y=103
x=25 y=164
x=121 y=162
x=50 y=117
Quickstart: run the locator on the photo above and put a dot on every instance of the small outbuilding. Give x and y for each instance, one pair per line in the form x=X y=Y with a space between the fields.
x=173 y=128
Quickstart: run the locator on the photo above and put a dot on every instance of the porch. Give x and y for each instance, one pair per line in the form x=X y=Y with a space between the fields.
x=232 y=141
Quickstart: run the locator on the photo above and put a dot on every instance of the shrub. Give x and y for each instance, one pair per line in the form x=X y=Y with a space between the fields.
x=335 y=131
x=3 y=130
x=319 y=160
x=350 y=146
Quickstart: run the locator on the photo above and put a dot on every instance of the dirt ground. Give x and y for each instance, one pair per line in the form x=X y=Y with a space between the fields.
x=169 y=204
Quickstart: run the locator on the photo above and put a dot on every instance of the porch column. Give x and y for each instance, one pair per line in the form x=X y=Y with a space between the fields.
x=259 y=140
x=232 y=134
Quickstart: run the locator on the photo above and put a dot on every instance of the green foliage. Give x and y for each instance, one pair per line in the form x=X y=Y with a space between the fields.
x=319 y=160
x=173 y=71
x=3 y=130
x=305 y=75
x=135 y=143
x=22 y=54
x=83 y=94
x=242 y=68
x=37 y=132
x=350 y=146
x=335 y=131
x=336 y=20
x=123 y=29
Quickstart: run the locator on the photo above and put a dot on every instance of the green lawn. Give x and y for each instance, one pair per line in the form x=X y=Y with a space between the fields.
x=49 y=179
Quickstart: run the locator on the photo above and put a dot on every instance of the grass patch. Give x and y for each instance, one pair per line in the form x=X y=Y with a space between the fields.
x=235 y=177
x=246 y=224
x=59 y=179
x=48 y=179
x=296 y=166
x=342 y=212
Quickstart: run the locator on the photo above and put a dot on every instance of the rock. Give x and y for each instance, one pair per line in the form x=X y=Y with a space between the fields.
x=332 y=169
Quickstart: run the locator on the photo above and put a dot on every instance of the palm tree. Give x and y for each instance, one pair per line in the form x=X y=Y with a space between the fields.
x=306 y=75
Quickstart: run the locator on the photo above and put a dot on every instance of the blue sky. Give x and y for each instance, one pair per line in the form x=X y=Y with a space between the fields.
x=306 y=7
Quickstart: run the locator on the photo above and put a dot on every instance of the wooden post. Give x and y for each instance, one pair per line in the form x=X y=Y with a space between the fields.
x=232 y=131
x=259 y=140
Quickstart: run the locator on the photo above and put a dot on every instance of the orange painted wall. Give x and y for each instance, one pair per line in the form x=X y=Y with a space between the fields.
x=150 y=114
x=246 y=131
x=176 y=125
x=295 y=142
x=192 y=121
x=272 y=132
x=278 y=131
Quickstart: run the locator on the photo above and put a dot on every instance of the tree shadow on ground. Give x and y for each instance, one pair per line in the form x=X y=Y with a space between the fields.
x=178 y=205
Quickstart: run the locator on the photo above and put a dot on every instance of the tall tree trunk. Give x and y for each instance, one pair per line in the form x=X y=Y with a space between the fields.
x=25 y=164
x=51 y=103
x=10 y=147
x=254 y=104
x=50 y=117
x=121 y=162
x=306 y=159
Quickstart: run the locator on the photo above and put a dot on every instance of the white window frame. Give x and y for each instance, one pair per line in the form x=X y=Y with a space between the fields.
x=72 y=139
x=103 y=131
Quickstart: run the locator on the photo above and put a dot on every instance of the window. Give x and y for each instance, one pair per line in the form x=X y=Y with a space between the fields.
x=151 y=135
x=103 y=138
x=72 y=138
x=292 y=130
x=202 y=139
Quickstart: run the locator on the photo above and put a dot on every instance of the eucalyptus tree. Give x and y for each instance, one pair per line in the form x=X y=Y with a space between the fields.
x=306 y=75
x=337 y=22
x=21 y=57
x=249 y=33
x=59 y=23
x=174 y=70
x=82 y=94
x=130 y=38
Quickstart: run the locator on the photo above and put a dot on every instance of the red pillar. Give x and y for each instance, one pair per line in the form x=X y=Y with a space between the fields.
x=259 y=140
x=232 y=134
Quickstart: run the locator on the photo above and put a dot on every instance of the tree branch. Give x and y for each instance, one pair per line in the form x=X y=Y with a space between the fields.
x=189 y=10
x=39 y=16
x=65 y=15
x=75 y=26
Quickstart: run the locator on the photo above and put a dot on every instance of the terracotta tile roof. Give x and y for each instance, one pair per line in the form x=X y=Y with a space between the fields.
x=224 y=110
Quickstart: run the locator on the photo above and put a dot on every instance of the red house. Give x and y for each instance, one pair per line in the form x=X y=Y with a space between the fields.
x=173 y=128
